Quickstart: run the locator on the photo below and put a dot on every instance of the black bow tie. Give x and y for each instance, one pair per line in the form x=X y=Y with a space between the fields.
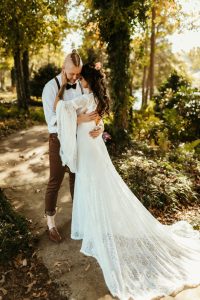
x=70 y=86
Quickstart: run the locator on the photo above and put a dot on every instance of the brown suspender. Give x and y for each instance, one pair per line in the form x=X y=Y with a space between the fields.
x=58 y=84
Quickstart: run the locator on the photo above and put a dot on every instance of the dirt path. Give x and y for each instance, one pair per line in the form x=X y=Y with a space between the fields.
x=23 y=176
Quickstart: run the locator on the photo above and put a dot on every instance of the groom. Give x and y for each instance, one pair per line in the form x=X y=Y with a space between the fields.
x=67 y=81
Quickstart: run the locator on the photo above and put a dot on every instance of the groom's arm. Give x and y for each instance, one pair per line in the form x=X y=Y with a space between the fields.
x=87 y=117
x=98 y=129
x=93 y=116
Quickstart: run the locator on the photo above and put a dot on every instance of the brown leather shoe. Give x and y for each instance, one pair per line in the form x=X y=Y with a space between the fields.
x=54 y=235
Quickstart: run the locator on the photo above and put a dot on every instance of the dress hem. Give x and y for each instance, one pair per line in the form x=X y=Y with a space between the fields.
x=172 y=293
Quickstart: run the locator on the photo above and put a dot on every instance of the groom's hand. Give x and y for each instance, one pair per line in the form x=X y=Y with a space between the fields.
x=87 y=117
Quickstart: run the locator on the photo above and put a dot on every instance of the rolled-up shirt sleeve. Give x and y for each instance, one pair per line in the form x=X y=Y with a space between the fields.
x=48 y=98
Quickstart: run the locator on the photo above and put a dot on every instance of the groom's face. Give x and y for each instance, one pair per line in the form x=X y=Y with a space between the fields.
x=72 y=72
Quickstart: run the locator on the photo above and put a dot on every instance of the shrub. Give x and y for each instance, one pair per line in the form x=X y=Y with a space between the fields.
x=37 y=114
x=41 y=77
x=14 y=233
x=159 y=183
x=178 y=106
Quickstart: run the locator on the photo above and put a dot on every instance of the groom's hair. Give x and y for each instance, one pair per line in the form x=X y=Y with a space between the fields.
x=74 y=57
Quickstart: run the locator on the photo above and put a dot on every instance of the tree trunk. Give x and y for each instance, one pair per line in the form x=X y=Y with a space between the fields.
x=144 y=87
x=118 y=52
x=21 y=94
x=145 y=77
x=2 y=80
x=152 y=53
x=13 y=78
x=25 y=65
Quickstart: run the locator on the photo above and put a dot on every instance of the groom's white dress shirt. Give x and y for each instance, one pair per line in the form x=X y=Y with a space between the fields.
x=48 y=97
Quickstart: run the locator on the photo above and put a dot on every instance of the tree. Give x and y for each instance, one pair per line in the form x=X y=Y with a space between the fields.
x=5 y=64
x=93 y=48
x=20 y=25
x=24 y=23
x=153 y=59
x=152 y=52
x=194 y=56
x=116 y=21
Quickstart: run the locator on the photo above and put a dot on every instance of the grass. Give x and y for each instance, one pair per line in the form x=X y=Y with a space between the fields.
x=13 y=119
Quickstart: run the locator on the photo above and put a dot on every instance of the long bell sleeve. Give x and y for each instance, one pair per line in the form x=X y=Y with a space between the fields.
x=66 y=116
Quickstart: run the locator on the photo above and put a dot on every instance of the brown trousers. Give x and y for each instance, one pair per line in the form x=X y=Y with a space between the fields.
x=57 y=172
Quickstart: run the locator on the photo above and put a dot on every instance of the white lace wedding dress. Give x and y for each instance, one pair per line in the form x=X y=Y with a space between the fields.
x=141 y=259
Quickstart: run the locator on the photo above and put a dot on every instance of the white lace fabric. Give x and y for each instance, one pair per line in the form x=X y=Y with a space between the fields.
x=140 y=258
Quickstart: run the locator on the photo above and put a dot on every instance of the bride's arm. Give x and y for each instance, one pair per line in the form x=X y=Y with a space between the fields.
x=78 y=102
x=59 y=96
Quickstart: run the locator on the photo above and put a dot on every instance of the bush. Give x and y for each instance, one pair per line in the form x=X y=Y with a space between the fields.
x=161 y=183
x=172 y=118
x=178 y=106
x=41 y=77
x=10 y=111
x=14 y=233
x=37 y=114
x=12 y=119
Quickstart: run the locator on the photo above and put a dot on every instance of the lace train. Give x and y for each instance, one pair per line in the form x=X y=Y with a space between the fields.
x=140 y=258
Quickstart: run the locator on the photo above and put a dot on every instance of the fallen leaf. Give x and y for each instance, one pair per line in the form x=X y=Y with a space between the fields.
x=30 y=274
x=29 y=286
x=3 y=279
x=34 y=253
x=57 y=264
x=24 y=262
x=4 y=291
x=40 y=295
x=87 y=268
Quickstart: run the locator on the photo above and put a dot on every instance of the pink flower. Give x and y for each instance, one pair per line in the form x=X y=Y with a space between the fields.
x=98 y=65
x=106 y=136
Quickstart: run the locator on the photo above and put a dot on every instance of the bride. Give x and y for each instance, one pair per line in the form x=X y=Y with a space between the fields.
x=141 y=258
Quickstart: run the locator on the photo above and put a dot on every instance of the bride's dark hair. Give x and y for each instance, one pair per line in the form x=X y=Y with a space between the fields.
x=96 y=81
